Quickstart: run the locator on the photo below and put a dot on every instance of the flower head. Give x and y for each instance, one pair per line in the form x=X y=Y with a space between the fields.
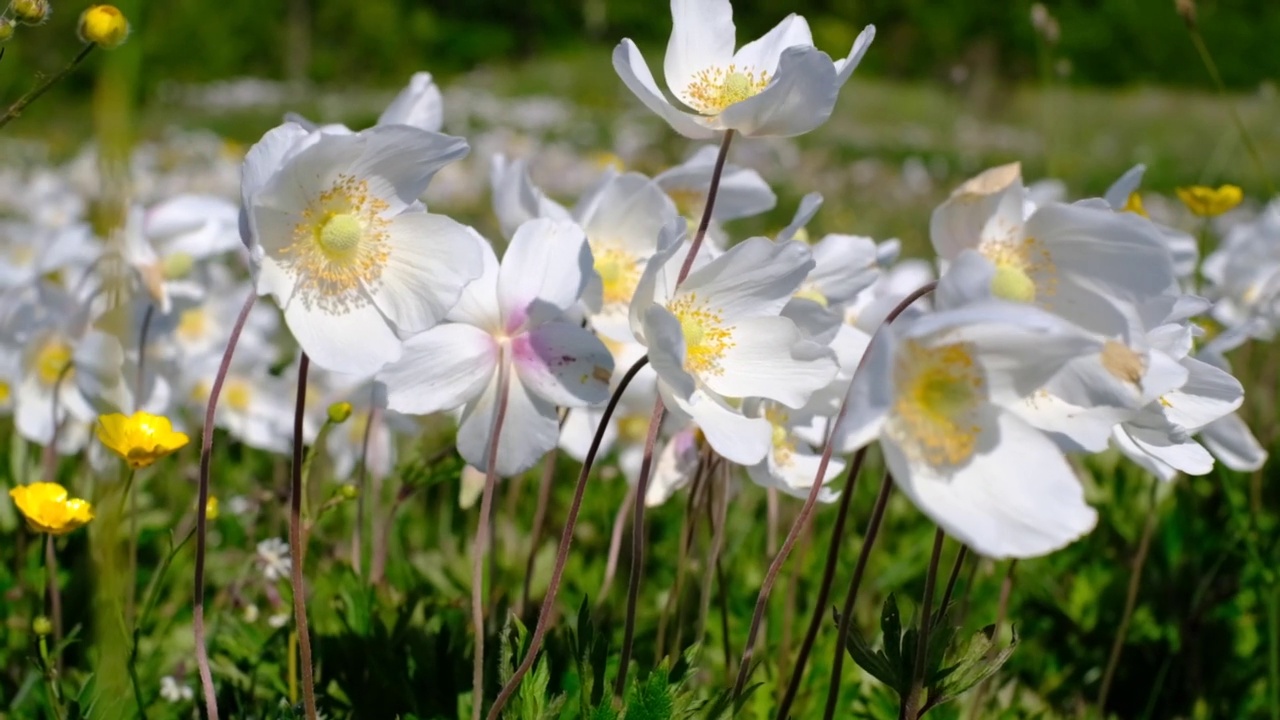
x=104 y=25
x=141 y=438
x=48 y=509
x=1210 y=202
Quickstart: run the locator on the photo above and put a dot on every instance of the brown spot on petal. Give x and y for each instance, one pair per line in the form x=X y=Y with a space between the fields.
x=601 y=373
x=1123 y=363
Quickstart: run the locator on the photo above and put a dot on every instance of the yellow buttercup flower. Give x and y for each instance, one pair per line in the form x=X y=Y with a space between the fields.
x=1134 y=205
x=141 y=438
x=1209 y=202
x=48 y=510
x=104 y=25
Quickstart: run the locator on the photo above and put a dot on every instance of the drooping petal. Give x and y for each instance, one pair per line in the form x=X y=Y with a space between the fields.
x=543 y=273
x=1231 y=441
x=764 y=53
x=563 y=364
x=530 y=429
x=702 y=37
x=440 y=369
x=1016 y=497
x=634 y=72
x=1123 y=442
x=515 y=197
x=1180 y=453
x=738 y=438
x=769 y=358
x=1209 y=394
x=809 y=206
x=431 y=259
x=799 y=98
x=986 y=207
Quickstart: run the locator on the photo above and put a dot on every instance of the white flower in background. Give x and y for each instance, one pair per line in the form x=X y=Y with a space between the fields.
x=1123 y=196
x=273 y=556
x=339 y=239
x=719 y=338
x=742 y=192
x=254 y=406
x=513 y=315
x=1086 y=263
x=166 y=243
x=48 y=325
x=675 y=465
x=792 y=462
x=175 y=692
x=628 y=427
x=279 y=620
x=1228 y=438
x=1244 y=276
x=515 y=197
x=418 y=105
x=779 y=85
x=29 y=252
x=935 y=392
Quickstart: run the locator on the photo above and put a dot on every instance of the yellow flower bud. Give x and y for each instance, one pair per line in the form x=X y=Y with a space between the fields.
x=104 y=25
x=7 y=28
x=42 y=626
x=211 y=508
x=31 y=12
x=339 y=412
x=349 y=491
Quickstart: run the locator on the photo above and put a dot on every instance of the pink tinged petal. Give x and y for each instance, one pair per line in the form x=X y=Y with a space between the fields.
x=441 y=369
x=563 y=364
x=1180 y=453
x=799 y=98
x=419 y=105
x=631 y=68
x=399 y=161
x=667 y=351
x=1017 y=497
x=530 y=429
x=870 y=396
x=753 y=278
x=1231 y=441
x=740 y=439
x=764 y=53
x=845 y=66
x=702 y=37
x=354 y=339
x=1209 y=394
x=431 y=259
x=478 y=303
x=768 y=358
x=986 y=207
x=543 y=273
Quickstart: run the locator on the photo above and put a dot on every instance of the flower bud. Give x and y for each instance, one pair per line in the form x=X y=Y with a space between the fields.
x=42 y=626
x=339 y=412
x=7 y=27
x=104 y=25
x=31 y=12
x=349 y=491
x=211 y=508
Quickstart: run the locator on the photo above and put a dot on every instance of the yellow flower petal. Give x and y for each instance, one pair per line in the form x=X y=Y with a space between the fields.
x=141 y=438
x=47 y=509
x=1209 y=202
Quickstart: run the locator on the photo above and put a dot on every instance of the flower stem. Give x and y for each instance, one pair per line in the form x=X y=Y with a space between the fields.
x=202 y=506
x=1131 y=598
x=295 y=543
x=911 y=703
x=806 y=512
x=362 y=483
x=846 y=610
x=637 y=537
x=615 y=544
x=142 y=356
x=34 y=94
x=55 y=600
x=539 y=521
x=562 y=552
x=705 y=223
x=1002 y=608
x=483 y=535
x=961 y=555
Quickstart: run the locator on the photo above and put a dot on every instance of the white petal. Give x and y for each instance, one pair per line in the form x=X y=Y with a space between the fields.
x=440 y=369
x=1208 y=395
x=967 y=280
x=431 y=259
x=1117 y=196
x=1072 y=427
x=1017 y=497
x=355 y=339
x=563 y=364
x=870 y=396
x=768 y=358
x=1181 y=454
x=1137 y=454
x=418 y=105
x=740 y=439
x=986 y=207
x=543 y=272
x=195 y=225
x=515 y=197
x=845 y=66
x=844 y=265
x=1231 y=441
x=579 y=429
x=808 y=207
x=658 y=281
x=702 y=37
x=764 y=53
x=634 y=72
x=266 y=157
x=798 y=99
x=667 y=350
x=628 y=212
x=794 y=473
x=478 y=303
x=753 y=278
x=400 y=160
x=530 y=429
x=673 y=468
x=743 y=193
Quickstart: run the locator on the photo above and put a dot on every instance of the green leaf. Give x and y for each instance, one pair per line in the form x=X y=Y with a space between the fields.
x=651 y=699
x=976 y=663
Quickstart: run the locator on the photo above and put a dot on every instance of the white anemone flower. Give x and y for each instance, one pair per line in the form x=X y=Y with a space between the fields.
x=516 y=198
x=337 y=236
x=778 y=85
x=1123 y=196
x=935 y=391
x=1228 y=438
x=792 y=462
x=513 y=315
x=742 y=192
x=719 y=338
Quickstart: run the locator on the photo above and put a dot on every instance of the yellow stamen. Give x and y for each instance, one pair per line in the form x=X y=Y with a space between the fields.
x=619 y=272
x=940 y=391
x=1025 y=269
x=52 y=361
x=705 y=336
x=1122 y=363
x=340 y=247
x=714 y=89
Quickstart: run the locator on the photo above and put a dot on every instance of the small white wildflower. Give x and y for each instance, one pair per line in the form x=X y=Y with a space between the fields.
x=278 y=620
x=274 y=554
x=174 y=691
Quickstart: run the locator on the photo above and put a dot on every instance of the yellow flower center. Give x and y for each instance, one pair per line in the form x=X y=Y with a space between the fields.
x=689 y=203
x=633 y=428
x=784 y=446
x=6 y=392
x=177 y=265
x=619 y=272
x=340 y=246
x=238 y=395
x=705 y=336
x=1024 y=269
x=940 y=391
x=52 y=361
x=193 y=324
x=714 y=89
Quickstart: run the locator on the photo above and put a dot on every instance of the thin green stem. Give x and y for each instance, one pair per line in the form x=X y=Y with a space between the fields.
x=1207 y=58
x=1131 y=599
x=1273 y=651
x=911 y=703
x=34 y=94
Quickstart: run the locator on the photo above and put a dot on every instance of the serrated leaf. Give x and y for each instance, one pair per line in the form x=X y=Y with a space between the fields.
x=876 y=663
x=651 y=699
x=975 y=665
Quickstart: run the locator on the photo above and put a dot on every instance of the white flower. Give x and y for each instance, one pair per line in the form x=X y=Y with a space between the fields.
x=1123 y=196
x=512 y=315
x=719 y=338
x=339 y=239
x=792 y=462
x=742 y=192
x=936 y=390
x=778 y=85
x=273 y=554
x=418 y=105
x=175 y=692
x=279 y=620
x=515 y=197
x=1244 y=273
